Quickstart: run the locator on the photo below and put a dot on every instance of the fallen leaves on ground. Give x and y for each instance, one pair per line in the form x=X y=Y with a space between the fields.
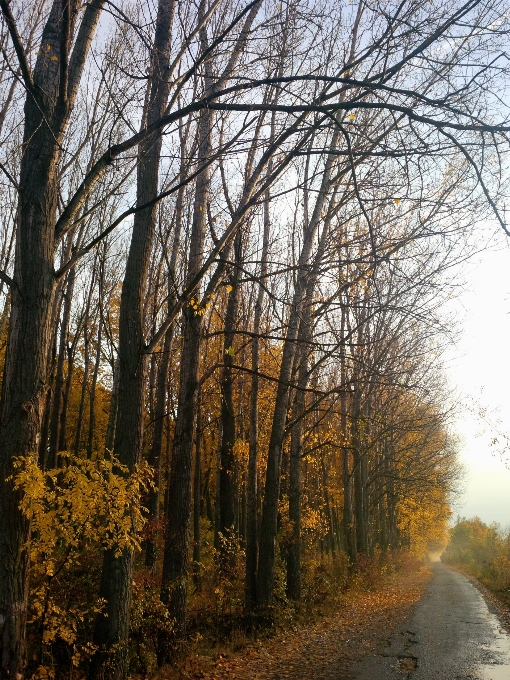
x=362 y=623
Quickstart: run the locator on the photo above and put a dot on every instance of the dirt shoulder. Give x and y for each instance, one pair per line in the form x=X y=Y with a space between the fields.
x=326 y=650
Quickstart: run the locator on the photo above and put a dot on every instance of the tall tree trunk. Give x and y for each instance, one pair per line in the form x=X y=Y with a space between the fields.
x=178 y=520
x=112 y=414
x=85 y=379
x=112 y=625
x=228 y=420
x=56 y=417
x=269 y=524
x=175 y=563
x=359 y=489
x=327 y=504
x=47 y=107
x=252 y=500
x=304 y=343
x=197 y=579
x=156 y=450
x=154 y=457
x=177 y=536
x=348 y=519
x=71 y=352
x=294 y=547
x=45 y=427
x=93 y=388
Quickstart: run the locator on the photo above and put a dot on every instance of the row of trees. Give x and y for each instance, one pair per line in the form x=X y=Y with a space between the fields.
x=483 y=551
x=227 y=232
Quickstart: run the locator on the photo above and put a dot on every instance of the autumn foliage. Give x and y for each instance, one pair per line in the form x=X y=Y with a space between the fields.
x=229 y=233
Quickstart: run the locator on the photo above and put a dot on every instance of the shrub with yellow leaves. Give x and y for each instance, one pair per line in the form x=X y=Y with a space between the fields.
x=75 y=511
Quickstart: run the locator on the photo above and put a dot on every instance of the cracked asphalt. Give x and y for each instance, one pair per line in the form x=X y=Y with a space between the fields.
x=452 y=635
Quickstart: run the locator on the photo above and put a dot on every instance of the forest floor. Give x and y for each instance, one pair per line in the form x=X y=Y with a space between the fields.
x=328 y=648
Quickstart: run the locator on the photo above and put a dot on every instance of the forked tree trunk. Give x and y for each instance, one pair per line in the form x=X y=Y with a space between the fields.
x=304 y=343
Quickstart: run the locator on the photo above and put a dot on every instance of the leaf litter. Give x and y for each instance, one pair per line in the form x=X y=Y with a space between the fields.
x=327 y=649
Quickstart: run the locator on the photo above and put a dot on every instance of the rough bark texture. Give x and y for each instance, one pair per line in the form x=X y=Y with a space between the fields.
x=175 y=562
x=112 y=625
x=177 y=535
x=47 y=109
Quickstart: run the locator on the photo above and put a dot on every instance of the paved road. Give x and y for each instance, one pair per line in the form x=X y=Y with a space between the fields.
x=451 y=636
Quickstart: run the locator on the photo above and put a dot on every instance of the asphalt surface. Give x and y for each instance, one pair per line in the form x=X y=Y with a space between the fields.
x=452 y=635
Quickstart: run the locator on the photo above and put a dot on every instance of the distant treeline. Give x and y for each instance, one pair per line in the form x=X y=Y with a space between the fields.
x=483 y=551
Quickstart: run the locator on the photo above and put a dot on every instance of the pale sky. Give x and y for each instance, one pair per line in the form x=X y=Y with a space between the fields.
x=479 y=368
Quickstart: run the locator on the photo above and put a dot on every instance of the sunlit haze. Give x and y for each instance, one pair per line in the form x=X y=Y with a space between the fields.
x=479 y=368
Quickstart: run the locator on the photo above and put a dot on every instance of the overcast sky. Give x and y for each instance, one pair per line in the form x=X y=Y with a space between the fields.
x=479 y=368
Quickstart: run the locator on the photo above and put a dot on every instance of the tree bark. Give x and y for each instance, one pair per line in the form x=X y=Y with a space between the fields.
x=252 y=491
x=86 y=370
x=294 y=547
x=177 y=533
x=112 y=625
x=197 y=482
x=47 y=109
x=228 y=420
x=60 y=378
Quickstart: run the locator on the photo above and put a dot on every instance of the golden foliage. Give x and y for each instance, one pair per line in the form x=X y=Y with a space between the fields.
x=84 y=506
